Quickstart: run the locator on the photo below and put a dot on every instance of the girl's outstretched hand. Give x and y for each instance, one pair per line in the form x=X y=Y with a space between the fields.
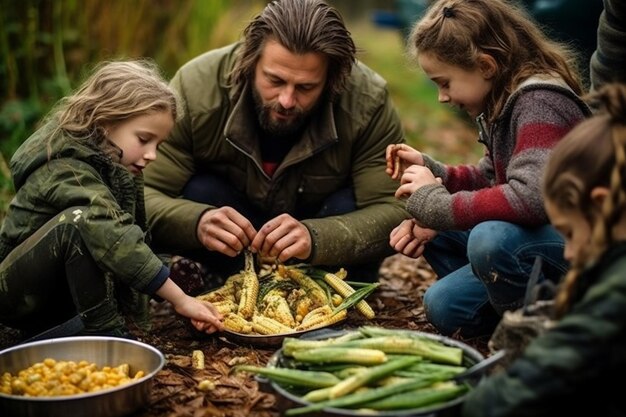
x=399 y=157
x=204 y=316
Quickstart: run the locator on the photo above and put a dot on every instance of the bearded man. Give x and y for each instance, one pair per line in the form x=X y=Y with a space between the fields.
x=281 y=150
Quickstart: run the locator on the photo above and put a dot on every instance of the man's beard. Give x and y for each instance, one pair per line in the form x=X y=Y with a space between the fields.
x=279 y=128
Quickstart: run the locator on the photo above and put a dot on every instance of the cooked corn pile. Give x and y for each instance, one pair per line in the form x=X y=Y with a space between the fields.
x=52 y=378
x=370 y=369
x=285 y=299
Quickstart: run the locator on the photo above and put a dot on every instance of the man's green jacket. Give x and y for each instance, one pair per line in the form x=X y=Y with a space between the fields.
x=344 y=145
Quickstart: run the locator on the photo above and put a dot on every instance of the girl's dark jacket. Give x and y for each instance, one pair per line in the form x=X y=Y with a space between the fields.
x=575 y=368
x=51 y=176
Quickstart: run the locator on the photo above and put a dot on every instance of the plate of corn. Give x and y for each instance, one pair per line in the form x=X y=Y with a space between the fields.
x=262 y=306
x=369 y=370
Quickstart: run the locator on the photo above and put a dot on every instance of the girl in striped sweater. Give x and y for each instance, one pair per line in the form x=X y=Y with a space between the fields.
x=481 y=226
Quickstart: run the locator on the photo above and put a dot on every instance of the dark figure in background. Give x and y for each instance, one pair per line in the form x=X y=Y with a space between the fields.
x=608 y=63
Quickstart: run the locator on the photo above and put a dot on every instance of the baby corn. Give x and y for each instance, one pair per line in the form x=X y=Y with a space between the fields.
x=344 y=289
x=323 y=320
x=197 y=359
x=250 y=289
x=236 y=323
x=266 y=325
x=312 y=288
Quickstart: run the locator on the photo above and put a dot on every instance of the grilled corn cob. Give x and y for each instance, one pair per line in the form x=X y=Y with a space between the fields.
x=344 y=289
x=323 y=319
x=250 y=288
x=275 y=306
x=236 y=323
x=197 y=359
x=266 y=325
x=225 y=306
x=312 y=288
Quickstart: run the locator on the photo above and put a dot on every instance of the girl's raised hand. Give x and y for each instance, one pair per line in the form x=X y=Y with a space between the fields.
x=414 y=177
x=399 y=157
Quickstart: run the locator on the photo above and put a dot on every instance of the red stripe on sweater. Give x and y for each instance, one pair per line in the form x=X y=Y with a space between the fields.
x=472 y=208
x=539 y=135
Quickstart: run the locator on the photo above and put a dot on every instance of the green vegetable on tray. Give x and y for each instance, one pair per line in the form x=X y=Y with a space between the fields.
x=369 y=368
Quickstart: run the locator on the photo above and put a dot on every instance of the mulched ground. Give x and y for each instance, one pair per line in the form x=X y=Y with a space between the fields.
x=175 y=392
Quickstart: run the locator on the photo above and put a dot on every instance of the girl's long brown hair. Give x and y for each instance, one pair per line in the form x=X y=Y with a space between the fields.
x=457 y=31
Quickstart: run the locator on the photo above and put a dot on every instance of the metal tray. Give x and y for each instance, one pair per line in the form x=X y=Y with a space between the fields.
x=286 y=400
x=260 y=340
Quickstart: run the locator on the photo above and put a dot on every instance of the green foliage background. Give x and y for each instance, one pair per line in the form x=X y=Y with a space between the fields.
x=48 y=46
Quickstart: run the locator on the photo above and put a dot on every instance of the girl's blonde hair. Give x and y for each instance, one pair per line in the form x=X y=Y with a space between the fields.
x=458 y=31
x=114 y=92
x=592 y=154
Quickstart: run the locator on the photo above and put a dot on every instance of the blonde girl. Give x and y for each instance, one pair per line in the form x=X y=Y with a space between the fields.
x=481 y=226
x=74 y=244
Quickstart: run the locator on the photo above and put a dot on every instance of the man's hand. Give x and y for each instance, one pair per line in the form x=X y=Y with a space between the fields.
x=225 y=230
x=399 y=157
x=283 y=238
x=410 y=239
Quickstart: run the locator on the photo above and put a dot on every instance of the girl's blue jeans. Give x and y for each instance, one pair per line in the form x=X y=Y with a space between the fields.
x=484 y=271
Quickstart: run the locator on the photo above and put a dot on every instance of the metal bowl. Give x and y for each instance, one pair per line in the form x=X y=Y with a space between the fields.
x=103 y=351
x=286 y=400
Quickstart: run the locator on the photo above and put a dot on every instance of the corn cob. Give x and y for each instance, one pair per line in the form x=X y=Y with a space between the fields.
x=225 y=306
x=291 y=344
x=324 y=310
x=312 y=288
x=303 y=306
x=341 y=354
x=236 y=323
x=266 y=325
x=250 y=288
x=275 y=306
x=206 y=385
x=413 y=346
x=336 y=299
x=323 y=320
x=197 y=359
x=372 y=374
x=317 y=314
x=342 y=274
x=344 y=289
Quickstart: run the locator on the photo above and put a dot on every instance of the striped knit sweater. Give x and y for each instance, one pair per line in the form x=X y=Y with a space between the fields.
x=506 y=183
